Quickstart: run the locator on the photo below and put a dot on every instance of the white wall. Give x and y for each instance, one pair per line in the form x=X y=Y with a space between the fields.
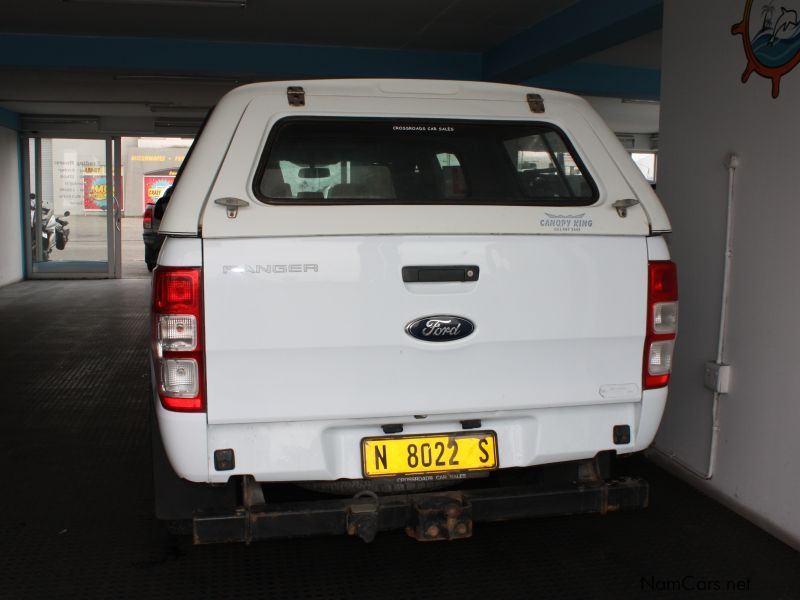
x=10 y=234
x=706 y=113
x=627 y=116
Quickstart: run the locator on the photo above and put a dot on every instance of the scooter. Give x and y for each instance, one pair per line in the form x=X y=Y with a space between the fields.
x=59 y=226
x=55 y=230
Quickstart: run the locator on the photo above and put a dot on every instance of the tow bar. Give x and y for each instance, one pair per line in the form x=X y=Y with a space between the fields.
x=424 y=516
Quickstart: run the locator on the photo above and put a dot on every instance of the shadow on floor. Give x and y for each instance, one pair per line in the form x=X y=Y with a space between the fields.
x=77 y=519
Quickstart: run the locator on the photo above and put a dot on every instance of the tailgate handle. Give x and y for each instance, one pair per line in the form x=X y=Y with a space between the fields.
x=436 y=274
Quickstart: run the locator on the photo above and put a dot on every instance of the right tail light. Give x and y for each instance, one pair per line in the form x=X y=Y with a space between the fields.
x=662 y=323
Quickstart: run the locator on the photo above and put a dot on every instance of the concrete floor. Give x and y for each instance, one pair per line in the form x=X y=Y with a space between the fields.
x=76 y=503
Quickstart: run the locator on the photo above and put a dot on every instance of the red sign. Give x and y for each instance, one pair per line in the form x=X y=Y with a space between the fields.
x=95 y=189
x=155 y=186
x=94 y=192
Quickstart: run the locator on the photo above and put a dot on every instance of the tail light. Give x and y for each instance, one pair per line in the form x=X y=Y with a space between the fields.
x=662 y=323
x=147 y=218
x=177 y=337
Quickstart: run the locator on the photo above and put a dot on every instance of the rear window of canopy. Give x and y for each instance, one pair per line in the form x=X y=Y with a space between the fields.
x=399 y=161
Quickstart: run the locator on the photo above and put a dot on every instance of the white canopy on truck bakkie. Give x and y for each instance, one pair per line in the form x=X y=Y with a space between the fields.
x=240 y=126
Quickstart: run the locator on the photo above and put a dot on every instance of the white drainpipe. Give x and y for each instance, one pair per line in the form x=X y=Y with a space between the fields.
x=732 y=163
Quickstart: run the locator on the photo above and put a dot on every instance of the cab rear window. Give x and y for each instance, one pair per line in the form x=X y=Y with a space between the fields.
x=382 y=161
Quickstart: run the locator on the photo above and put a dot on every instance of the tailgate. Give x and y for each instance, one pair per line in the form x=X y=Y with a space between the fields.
x=315 y=327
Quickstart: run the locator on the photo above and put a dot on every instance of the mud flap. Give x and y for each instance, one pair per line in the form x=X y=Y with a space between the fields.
x=177 y=500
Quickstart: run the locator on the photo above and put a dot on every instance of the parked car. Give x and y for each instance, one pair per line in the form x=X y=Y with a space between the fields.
x=429 y=303
x=151 y=220
x=148 y=236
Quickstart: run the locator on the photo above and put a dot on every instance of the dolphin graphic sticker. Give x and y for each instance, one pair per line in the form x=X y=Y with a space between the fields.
x=771 y=37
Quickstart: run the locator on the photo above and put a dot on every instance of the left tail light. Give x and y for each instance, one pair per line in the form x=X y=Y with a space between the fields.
x=147 y=218
x=177 y=338
x=662 y=323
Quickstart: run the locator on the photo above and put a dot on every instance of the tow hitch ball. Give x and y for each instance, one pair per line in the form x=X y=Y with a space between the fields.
x=429 y=518
x=446 y=517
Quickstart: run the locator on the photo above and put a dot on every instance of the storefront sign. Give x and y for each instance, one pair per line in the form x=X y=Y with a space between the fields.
x=156 y=185
x=94 y=188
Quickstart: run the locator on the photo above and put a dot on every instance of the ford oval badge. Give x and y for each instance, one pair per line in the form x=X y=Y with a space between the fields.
x=440 y=328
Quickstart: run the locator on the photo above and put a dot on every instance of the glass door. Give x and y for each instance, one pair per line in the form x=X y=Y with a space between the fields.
x=72 y=186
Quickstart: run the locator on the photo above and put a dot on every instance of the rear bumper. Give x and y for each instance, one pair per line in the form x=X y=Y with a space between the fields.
x=152 y=245
x=331 y=450
x=426 y=517
x=149 y=237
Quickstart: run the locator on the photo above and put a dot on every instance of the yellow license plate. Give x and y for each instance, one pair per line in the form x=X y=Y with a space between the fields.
x=421 y=454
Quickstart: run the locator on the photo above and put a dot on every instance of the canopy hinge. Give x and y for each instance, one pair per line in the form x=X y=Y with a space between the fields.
x=536 y=103
x=296 y=95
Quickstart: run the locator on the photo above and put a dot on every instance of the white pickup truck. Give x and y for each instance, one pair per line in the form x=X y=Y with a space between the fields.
x=417 y=294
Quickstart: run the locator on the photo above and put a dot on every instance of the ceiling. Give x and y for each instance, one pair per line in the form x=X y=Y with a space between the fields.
x=643 y=51
x=128 y=68
x=453 y=25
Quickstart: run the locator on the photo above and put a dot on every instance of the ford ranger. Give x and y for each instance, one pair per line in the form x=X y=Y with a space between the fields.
x=405 y=304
